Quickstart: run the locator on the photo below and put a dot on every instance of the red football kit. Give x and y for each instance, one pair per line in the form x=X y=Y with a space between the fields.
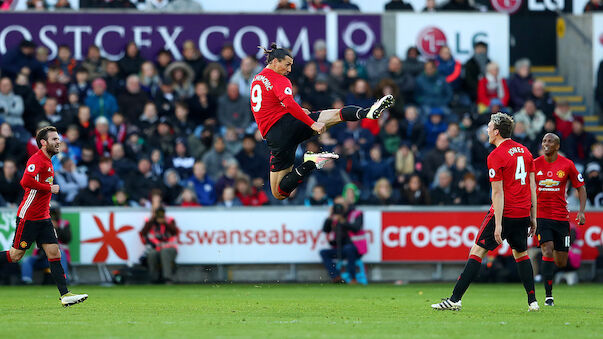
x=271 y=98
x=512 y=163
x=37 y=179
x=551 y=186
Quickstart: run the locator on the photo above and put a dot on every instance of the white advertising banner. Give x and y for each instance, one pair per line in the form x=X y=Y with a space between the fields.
x=236 y=236
x=597 y=43
x=458 y=31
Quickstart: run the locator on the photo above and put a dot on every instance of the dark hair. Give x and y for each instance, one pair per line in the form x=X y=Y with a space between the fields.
x=503 y=123
x=43 y=134
x=275 y=53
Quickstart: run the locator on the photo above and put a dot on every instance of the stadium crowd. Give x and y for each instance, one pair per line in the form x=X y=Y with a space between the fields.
x=183 y=130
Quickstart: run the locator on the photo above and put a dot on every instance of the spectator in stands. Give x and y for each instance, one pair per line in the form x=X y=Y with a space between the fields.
x=216 y=157
x=285 y=5
x=248 y=194
x=66 y=64
x=593 y=6
x=542 y=98
x=243 y=76
x=70 y=180
x=307 y=79
x=352 y=66
x=171 y=186
x=320 y=97
x=578 y=144
x=475 y=68
x=398 y=5
x=457 y=139
x=184 y=6
x=520 y=84
x=234 y=110
x=343 y=5
x=449 y=67
x=182 y=76
x=10 y=187
x=123 y=166
x=94 y=63
x=156 y=5
x=114 y=83
x=192 y=56
x=229 y=198
x=21 y=59
x=447 y=166
x=202 y=185
x=11 y=105
x=330 y=177
x=435 y=157
x=431 y=89
x=445 y=193
x=403 y=79
x=160 y=236
x=593 y=183
x=215 y=77
x=148 y=121
x=386 y=87
x=318 y=197
x=404 y=162
x=182 y=124
x=42 y=57
x=38 y=259
x=412 y=129
x=317 y=6
x=55 y=88
x=520 y=134
x=81 y=85
x=350 y=160
x=51 y=115
x=133 y=100
x=165 y=98
x=377 y=64
x=163 y=60
x=415 y=193
x=254 y=164
x=107 y=176
x=382 y=194
x=228 y=177
x=101 y=102
x=492 y=86
x=338 y=80
x=376 y=167
x=320 y=57
x=139 y=183
x=430 y=6
x=202 y=105
x=91 y=195
x=130 y=63
x=533 y=119
x=341 y=222
x=228 y=59
x=563 y=118
x=471 y=194
x=149 y=79
x=599 y=86
x=596 y=155
x=188 y=198
x=103 y=141
x=436 y=124
x=457 y=6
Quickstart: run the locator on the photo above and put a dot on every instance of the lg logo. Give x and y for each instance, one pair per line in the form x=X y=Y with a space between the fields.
x=506 y=6
x=546 y=5
x=430 y=40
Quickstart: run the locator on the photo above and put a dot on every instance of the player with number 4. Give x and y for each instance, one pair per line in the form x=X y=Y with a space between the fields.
x=513 y=211
x=553 y=171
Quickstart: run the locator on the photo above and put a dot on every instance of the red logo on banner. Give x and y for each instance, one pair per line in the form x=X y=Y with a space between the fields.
x=109 y=239
x=601 y=38
x=430 y=40
x=506 y=6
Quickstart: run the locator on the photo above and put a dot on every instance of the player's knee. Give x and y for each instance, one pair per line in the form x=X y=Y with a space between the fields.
x=547 y=249
x=561 y=263
x=53 y=253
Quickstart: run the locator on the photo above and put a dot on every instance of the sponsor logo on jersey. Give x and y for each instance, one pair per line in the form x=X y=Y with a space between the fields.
x=548 y=185
x=560 y=174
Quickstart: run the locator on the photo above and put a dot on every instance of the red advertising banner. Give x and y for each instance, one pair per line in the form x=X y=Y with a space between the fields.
x=448 y=236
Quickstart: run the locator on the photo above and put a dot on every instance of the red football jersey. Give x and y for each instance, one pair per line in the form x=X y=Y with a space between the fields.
x=270 y=92
x=512 y=163
x=37 y=179
x=551 y=186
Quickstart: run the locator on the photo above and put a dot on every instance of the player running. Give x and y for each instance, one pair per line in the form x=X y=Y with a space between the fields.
x=284 y=124
x=553 y=171
x=33 y=215
x=513 y=211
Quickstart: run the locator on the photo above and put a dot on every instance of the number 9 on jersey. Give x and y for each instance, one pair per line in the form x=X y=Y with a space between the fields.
x=256 y=97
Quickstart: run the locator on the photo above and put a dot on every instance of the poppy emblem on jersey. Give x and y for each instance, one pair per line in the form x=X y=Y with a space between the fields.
x=31 y=168
x=549 y=174
x=23 y=244
x=560 y=174
x=288 y=91
x=109 y=238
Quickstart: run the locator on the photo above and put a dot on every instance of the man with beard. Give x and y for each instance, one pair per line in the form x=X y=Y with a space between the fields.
x=33 y=216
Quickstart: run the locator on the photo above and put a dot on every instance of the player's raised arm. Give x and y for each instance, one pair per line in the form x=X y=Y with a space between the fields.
x=498 y=202
x=534 y=204
x=29 y=179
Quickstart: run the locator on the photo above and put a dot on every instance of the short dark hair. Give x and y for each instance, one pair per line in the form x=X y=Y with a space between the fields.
x=503 y=123
x=275 y=53
x=43 y=134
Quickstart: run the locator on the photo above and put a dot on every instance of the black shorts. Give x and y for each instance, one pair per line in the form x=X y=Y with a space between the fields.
x=28 y=231
x=284 y=137
x=514 y=230
x=556 y=231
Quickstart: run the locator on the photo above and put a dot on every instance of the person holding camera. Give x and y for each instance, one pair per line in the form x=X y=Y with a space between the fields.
x=343 y=223
x=160 y=236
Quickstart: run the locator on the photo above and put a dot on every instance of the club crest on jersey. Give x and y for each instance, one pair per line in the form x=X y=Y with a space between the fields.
x=23 y=244
x=31 y=168
x=560 y=174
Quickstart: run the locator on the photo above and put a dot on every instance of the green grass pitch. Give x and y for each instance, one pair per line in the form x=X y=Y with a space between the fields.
x=300 y=311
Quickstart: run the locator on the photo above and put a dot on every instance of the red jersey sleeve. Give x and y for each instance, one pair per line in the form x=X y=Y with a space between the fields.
x=575 y=176
x=30 y=178
x=494 y=168
x=284 y=92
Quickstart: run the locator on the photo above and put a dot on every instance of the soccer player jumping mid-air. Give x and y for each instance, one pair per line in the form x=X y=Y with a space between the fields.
x=33 y=216
x=553 y=171
x=513 y=211
x=284 y=124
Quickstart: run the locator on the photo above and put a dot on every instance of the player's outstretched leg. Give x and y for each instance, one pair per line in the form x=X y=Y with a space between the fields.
x=526 y=274
x=291 y=180
x=470 y=272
